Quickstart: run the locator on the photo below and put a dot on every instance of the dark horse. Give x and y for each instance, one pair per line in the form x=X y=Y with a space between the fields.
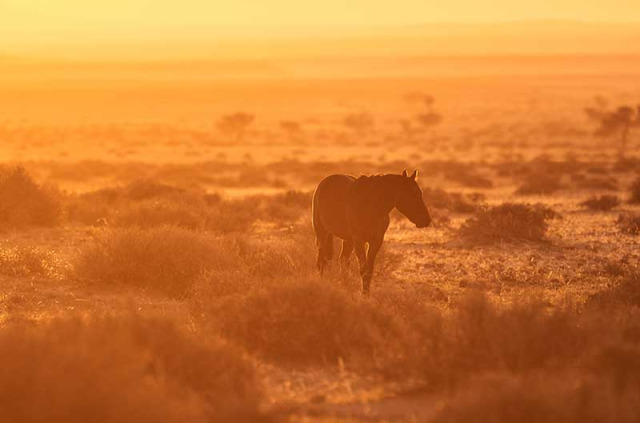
x=357 y=211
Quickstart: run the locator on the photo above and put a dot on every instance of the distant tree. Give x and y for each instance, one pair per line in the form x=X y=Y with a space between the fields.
x=429 y=119
x=614 y=123
x=235 y=124
x=292 y=128
x=359 y=122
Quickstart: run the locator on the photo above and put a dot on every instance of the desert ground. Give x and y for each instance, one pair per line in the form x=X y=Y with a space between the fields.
x=157 y=260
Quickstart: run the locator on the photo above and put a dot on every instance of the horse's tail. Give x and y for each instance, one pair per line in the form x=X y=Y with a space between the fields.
x=324 y=239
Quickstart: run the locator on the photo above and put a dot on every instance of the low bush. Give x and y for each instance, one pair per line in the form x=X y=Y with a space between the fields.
x=124 y=369
x=167 y=259
x=304 y=322
x=635 y=191
x=629 y=223
x=602 y=203
x=174 y=260
x=507 y=222
x=539 y=184
x=25 y=203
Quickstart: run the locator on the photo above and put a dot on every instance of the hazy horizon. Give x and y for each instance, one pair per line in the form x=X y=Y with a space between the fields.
x=515 y=37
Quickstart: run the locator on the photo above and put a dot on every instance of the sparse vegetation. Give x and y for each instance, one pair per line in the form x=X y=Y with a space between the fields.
x=506 y=223
x=602 y=203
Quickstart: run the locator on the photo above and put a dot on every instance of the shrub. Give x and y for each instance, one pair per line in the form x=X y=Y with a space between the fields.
x=165 y=259
x=539 y=184
x=304 y=322
x=629 y=223
x=602 y=203
x=25 y=203
x=174 y=260
x=121 y=370
x=507 y=222
x=635 y=191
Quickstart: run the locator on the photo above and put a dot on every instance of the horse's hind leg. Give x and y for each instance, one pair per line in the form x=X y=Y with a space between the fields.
x=367 y=269
x=345 y=255
x=324 y=243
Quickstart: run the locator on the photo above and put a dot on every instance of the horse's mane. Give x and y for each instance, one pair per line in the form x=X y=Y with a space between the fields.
x=372 y=189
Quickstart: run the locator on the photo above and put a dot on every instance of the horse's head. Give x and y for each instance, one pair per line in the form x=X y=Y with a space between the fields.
x=410 y=202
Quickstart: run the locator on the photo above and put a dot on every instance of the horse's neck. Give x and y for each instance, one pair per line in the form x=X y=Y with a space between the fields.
x=385 y=189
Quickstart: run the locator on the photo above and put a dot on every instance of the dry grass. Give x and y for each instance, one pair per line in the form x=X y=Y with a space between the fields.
x=24 y=261
x=121 y=369
x=507 y=222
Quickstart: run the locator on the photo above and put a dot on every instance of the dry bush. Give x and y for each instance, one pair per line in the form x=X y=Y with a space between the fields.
x=253 y=265
x=635 y=191
x=167 y=259
x=629 y=223
x=174 y=260
x=539 y=184
x=122 y=369
x=304 y=322
x=25 y=203
x=507 y=222
x=452 y=201
x=602 y=203
x=23 y=261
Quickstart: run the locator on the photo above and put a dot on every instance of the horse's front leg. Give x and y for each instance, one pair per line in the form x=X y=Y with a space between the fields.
x=345 y=255
x=367 y=270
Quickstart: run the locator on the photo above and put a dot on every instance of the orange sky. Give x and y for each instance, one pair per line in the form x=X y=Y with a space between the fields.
x=44 y=25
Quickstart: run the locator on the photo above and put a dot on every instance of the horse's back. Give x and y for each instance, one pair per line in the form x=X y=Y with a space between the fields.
x=329 y=205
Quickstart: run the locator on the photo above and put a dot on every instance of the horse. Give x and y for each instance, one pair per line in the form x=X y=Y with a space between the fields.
x=356 y=210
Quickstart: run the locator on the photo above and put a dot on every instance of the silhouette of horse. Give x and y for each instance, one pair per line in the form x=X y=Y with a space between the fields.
x=357 y=211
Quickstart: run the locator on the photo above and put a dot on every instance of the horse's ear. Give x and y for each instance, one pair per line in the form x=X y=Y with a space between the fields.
x=414 y=175
x=404 y=173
